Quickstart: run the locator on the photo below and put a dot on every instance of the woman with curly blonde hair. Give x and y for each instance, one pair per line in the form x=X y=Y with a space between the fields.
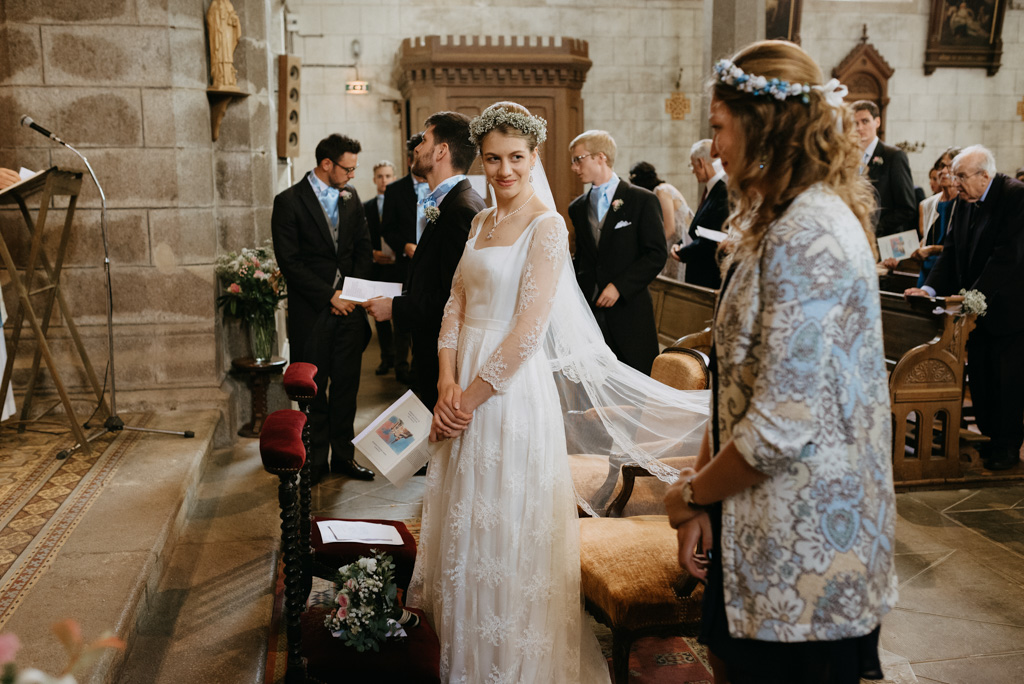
x=789 y=516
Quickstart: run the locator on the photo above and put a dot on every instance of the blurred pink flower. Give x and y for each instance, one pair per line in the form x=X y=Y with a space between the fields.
x=343 y=600
x=235 y=288
x=9 y=646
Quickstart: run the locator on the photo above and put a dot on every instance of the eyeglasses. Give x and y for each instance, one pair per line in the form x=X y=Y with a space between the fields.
x=578 y=159
x=347 y=169
x=961 y=177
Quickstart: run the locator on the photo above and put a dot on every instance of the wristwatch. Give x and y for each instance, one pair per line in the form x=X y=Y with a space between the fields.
x=687 y=494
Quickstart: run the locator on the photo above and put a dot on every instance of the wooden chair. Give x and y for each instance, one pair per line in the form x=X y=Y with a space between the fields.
x=926 y=392
x=630 y=573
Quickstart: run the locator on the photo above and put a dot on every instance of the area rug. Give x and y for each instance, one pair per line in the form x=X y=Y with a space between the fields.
x=42 y=499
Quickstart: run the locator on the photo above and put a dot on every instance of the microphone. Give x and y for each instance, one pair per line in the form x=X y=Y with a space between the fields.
x=27 y=121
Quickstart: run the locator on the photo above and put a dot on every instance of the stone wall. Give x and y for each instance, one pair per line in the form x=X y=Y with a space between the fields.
x=124 y=81
x=949 y=107
x=639 y=49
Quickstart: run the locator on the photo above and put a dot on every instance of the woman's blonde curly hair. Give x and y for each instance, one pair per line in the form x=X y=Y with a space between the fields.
x=788 y=145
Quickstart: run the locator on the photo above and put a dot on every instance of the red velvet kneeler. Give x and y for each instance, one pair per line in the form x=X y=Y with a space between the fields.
x=337 y=554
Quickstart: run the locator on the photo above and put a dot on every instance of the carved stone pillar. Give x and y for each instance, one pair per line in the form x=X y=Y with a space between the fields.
x=466 y=74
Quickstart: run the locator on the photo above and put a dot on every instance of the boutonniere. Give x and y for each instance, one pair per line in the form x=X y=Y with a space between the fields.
x=345 y=196
x=617 y=204
x=432 y=213
x=877 y=161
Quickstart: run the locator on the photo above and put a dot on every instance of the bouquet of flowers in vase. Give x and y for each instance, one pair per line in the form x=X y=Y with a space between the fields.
x=253 y=285
x=366 y=609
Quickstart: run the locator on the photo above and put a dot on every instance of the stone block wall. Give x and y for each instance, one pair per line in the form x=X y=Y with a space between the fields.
x=951 y=106
x=639 y=49
x=124 y=81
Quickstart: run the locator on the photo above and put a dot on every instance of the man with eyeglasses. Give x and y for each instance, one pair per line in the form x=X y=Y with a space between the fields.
x=620 y=249
x=984 y=250
x=320 y=237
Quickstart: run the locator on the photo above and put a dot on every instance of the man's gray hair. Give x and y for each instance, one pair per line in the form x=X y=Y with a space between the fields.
x=982 y=156
x=701 y=150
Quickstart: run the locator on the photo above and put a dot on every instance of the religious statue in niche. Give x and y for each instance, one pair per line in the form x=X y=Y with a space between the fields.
x=225 y=30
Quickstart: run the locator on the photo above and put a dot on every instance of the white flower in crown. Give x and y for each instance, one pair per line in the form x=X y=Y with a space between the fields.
x=432 y=213
x=617 y=204
x=345 y=196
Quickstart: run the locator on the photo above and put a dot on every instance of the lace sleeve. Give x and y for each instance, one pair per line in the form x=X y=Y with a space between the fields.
x=549 y=247
x=454 y=308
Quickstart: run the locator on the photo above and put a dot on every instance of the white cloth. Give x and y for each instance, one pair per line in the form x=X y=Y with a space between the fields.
x=682 y=217
x=498 y=566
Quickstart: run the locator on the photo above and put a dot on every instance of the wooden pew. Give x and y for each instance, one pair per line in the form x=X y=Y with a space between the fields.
x=925 y=354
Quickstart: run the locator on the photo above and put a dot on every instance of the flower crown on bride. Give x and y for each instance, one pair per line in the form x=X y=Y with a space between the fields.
x=493 y=117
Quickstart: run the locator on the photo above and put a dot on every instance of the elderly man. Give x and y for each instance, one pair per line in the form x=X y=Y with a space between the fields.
x=889 y=172
x=984 y=250
x=700 y=255
x=620 y=249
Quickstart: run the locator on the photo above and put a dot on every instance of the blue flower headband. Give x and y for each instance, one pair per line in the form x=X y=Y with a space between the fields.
x=730 y=74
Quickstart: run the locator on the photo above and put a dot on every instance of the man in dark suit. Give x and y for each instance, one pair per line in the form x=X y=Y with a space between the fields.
x=443 y=158
x=384 y=267
x=984 y=250
x=620 y=249
x=700 y=255
x=889 y=172
x=320 y=237
x=399 y=223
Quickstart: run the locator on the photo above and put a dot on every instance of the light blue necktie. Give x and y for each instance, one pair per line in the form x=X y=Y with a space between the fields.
x=421 y=217
x=422 y=192
x=329 y=201
x=602 y=205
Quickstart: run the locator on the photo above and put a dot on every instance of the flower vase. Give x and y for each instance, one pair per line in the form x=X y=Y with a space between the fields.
x=261 y=338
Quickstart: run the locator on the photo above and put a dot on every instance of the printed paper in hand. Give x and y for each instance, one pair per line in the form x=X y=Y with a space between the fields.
x=898 y=246
x=359 y=290
x=396 y=442
x=334 y=531
x=713 y=235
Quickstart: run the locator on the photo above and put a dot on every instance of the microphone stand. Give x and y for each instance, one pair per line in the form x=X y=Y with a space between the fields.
x=113 y=423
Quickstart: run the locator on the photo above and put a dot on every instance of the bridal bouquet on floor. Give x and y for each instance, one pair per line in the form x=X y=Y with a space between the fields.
x=366 y=610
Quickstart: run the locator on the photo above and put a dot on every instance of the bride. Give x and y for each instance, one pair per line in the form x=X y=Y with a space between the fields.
x=498 y=572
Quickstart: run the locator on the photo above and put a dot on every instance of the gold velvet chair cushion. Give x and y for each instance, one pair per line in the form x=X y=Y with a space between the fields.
x=590 y=473
x=630 y=572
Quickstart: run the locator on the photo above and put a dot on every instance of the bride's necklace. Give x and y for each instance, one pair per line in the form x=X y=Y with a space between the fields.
x=506 y=216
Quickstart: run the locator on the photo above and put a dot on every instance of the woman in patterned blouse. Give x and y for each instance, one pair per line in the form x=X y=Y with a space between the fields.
x=789 y=516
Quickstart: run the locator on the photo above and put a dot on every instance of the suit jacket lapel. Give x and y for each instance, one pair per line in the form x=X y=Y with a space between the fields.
x=428 y=230
x=314 y=207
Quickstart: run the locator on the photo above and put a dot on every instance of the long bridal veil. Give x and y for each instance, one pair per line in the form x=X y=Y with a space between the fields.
x=613 y=413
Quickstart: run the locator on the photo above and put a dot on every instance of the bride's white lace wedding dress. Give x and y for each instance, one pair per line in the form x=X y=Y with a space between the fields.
x=498 y=570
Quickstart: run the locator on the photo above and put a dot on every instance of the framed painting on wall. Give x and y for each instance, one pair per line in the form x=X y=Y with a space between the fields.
x=965 y=33
x=782 y=20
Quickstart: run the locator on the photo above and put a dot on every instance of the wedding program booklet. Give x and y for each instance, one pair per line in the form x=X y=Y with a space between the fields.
x=898 y=246
x=359 y=290
x=396 y=442
x=341 y=531
x=713 y=235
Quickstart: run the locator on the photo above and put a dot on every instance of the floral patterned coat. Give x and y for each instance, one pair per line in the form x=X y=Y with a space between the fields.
x=807 y=554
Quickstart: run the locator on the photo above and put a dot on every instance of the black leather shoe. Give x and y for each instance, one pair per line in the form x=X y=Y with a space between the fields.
x=1003 y=462
x=383 y=368
x=349 y=468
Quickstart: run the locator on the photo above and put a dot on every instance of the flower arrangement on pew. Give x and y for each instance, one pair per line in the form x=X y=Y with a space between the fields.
x=367 y=609
x=973 y=303
x=253 y=286
x=80 y=655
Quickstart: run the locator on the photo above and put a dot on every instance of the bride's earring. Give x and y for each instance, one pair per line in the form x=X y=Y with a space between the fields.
x=531 y=174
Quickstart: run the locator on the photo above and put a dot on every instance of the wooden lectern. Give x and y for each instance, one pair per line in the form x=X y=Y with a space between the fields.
x=48 y=184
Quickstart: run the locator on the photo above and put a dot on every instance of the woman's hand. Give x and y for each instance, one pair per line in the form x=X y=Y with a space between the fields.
x=448 y=413
x=890 y=263
x=439 y=432
x=694 y=542
x=678 y=511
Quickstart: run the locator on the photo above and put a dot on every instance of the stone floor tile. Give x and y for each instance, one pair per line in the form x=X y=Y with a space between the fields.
x=982 y=499
x=994 y=669
x=957 y=585
x=942 y=499
x=926 y=636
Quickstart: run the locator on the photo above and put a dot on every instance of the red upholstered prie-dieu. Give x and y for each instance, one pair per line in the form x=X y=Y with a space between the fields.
x=281 y=441
x=337 y=554
x=300 y=381
x=415 y=659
